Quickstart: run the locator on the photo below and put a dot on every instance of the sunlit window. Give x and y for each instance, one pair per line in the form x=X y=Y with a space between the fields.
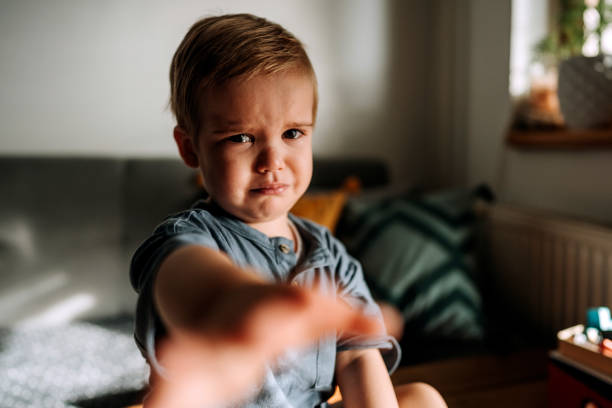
x=529 y=25
x=535 y=20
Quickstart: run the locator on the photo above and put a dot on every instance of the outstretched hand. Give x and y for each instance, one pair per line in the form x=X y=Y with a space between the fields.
x=252 y=324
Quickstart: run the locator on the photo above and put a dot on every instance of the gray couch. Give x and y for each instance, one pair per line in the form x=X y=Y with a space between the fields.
x=68 y=228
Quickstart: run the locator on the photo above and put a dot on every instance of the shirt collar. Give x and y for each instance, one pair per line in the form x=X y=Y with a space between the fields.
x=315 y=251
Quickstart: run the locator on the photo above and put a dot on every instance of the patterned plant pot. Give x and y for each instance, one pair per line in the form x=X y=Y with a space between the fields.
x=585 y=92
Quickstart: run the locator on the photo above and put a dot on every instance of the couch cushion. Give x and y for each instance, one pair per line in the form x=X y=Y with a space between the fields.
x=60 y=224
x=417 y=254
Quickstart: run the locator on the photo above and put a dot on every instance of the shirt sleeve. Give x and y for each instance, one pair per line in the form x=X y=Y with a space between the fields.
x=354 y=291
x=171 y=234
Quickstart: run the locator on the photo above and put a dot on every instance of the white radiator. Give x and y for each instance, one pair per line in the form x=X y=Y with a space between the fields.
x=548 y=269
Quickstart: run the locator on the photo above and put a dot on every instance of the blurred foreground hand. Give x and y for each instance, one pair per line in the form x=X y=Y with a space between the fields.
x=217 y=366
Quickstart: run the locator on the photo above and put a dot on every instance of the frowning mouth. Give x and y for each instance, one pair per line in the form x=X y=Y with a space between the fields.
x=271 y=189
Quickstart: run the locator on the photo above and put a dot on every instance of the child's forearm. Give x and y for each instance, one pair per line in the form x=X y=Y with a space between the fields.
x=363 y=379
x=233 y=328
x=191 y=279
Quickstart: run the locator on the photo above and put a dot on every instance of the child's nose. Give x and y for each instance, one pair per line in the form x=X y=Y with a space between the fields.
x=269 y=159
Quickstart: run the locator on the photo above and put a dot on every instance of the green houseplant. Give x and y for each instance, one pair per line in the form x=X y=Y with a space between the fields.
x=566 y=36
x=584 y=82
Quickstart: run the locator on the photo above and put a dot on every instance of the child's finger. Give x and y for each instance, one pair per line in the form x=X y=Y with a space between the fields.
x=394 y=321
x=298 y=323
x=327 y=314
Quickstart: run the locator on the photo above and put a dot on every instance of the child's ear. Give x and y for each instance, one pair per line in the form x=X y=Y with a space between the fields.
x=186 y=147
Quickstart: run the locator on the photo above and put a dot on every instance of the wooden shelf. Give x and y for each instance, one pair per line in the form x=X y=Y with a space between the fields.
x=560 y=138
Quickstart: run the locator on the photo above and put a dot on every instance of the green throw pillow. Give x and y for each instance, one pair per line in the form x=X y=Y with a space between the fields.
x=416 y=252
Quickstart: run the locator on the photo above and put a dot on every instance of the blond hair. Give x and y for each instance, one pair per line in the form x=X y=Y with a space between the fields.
x=217 y=49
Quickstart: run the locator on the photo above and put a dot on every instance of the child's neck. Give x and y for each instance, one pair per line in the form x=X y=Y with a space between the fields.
x=275 y=228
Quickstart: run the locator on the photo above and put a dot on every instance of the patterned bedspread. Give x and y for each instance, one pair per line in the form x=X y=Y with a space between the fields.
x=84 y=364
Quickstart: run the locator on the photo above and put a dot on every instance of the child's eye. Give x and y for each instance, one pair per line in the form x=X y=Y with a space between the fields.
x=241 y=138
x=293 y=134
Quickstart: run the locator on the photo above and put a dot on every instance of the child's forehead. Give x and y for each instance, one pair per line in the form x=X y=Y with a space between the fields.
x=252 y=85
x=242 y=99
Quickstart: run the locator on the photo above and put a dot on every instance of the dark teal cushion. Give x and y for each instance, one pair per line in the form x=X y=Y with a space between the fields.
x=417 y=254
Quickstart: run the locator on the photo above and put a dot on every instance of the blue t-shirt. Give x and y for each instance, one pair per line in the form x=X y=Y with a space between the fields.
x=302 y=378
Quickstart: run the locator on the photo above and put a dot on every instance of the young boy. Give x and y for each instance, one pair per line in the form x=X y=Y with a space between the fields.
x=244 y=294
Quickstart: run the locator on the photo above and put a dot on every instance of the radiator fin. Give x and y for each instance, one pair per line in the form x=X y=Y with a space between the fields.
x=549 y=269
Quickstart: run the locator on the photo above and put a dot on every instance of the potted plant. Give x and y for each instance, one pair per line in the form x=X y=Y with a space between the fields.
x=584 y=81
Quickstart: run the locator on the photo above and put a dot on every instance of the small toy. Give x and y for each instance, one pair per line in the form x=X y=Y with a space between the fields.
x=599 y=318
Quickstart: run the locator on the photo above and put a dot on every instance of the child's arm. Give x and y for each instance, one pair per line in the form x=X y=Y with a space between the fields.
x=363 y=379
x=191 y=282
x=225 y=323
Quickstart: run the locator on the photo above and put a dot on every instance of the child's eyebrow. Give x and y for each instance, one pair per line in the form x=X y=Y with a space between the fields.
x=298 y=124
x=230 y=128
x=235 y=126
x=227 y=125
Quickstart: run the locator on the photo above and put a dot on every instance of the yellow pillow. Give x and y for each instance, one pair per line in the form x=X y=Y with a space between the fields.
x=325 y=208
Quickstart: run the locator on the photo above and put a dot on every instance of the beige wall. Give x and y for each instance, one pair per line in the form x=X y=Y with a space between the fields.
x=422 y=84
x=90 y=78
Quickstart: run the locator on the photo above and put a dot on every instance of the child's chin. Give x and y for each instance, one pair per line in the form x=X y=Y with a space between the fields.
x=259 y=211
x=269 y=214
x=273 y=207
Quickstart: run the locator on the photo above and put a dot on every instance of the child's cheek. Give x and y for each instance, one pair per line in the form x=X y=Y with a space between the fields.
x=306 y=168
x=235 y=173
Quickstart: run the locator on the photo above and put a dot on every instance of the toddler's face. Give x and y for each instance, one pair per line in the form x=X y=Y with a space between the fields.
x=255 y=147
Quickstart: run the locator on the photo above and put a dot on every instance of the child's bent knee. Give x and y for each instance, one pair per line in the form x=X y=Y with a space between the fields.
x=419 y=394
